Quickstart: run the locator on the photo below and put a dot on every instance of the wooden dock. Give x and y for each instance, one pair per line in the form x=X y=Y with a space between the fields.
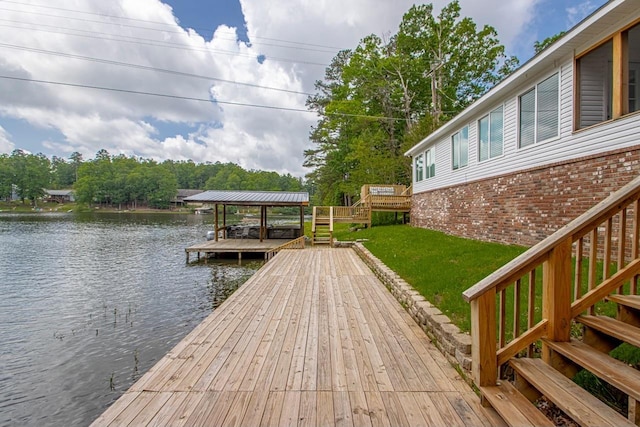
x=313 y=338
x=234 y=246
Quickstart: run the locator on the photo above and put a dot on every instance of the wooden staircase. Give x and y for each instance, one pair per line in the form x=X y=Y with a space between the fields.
x=322 y=225
x=551 y=299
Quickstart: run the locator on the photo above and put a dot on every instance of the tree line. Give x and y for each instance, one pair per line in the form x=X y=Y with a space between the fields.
x=380 y=98
x=121 y=181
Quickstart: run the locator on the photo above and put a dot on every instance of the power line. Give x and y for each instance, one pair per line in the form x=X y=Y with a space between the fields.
x=151 y=42
x=322 y=48
x=188 y=98
x=148 y=68
x=162 y=95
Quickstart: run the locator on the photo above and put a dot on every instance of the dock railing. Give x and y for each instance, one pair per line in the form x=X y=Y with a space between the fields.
x=298 y=243
x=539 y=293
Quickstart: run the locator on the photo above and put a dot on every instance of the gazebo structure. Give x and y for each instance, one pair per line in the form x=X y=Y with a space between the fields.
x=262 y=199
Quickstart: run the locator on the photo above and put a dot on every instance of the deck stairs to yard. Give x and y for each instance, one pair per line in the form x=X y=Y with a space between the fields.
x=322 y=225
x=530 y=341
x=373 y=198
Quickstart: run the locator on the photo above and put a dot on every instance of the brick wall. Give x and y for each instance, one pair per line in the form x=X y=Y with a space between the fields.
x=525 y=207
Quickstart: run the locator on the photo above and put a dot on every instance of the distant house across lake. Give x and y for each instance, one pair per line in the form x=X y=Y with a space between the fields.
x=182 y=194
x=59 y=196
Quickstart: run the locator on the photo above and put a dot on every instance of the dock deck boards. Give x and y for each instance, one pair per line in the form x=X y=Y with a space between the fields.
x=313 y=338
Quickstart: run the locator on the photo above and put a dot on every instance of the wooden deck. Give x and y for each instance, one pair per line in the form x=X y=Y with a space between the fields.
x=234 y=246
x=313 y=338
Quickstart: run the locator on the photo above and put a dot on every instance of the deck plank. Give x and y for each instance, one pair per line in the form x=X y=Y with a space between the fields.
x=313 y=338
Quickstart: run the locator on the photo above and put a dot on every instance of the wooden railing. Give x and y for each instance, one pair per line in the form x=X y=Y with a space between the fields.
x=356 y=214
x=294 y=244
x=386 y=197
x=537 y=294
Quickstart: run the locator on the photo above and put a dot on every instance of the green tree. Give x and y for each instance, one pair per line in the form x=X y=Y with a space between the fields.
x=540 y=46
x=375 y=98
x=63 y=173
x=6 y=177
x=31 y=175
x=76 y=160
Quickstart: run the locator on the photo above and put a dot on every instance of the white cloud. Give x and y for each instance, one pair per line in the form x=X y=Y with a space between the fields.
x=130 y=124
x=577 y=13
x=6 y=146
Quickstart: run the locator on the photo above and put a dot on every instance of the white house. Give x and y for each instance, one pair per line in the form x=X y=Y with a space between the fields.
x=544 y=145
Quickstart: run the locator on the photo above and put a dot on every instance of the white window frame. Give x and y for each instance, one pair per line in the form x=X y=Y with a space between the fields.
x=490 y=126
x=536 y=112
x=457 y=148
x=429 y=163
x=419 y=168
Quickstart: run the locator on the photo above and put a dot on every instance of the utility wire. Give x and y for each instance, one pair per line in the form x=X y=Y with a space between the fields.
x=314 y=47
x=162 y=95
x=148 y=68
x=151 y=42
x=188 y=98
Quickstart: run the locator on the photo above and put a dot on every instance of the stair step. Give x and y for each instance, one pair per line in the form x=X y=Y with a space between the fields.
x=513 y=407
x=612 y=327
x=631 y=301
x=579 y=404
x=613 y=371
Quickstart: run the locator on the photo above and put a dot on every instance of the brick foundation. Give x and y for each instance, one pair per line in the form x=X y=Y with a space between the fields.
x=525 y=207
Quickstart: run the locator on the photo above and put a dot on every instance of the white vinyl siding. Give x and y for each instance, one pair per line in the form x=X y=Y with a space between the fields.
x=615 y=135
x=539 y=112
x=460 y=148
x=490 y=134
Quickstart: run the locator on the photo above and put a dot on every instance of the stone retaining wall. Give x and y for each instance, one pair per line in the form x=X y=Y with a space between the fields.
x=453 y=343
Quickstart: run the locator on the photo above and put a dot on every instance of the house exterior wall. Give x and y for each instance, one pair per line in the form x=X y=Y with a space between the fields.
x=526 y=193
x=525 y=207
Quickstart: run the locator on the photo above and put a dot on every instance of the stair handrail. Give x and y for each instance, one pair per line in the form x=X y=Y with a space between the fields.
x=553 y=258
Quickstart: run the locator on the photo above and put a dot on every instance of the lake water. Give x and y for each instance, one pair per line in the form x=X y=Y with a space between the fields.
x=89 y=302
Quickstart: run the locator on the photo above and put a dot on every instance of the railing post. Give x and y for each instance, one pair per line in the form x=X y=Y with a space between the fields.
x=483 y=338
x=556 y=297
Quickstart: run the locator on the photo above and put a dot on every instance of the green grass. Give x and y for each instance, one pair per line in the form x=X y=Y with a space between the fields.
x=439 y=266
x=41 y=207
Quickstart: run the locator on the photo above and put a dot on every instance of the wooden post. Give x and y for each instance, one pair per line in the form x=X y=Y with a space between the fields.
x=556 y=298
x=301 y=221
x=483 y=339
x=215 y=219
x=620 y=76
x=224 y=221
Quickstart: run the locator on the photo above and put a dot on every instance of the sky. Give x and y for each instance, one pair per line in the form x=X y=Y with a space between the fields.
x=206 y=80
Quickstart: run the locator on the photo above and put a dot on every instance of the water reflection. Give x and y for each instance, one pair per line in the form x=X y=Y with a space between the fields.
x=90 y=302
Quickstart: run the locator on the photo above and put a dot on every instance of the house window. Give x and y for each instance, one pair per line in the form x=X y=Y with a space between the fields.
x=460 y=148
x=419 y=167
x=490 y=131
x=595 y=79
x=430 y=163
x=607 y=83
x=539 y=112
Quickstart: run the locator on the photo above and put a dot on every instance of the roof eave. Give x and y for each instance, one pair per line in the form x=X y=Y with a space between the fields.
x=555 y=51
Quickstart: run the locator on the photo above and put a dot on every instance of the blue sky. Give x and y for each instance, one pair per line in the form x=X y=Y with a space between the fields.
x=211 y=48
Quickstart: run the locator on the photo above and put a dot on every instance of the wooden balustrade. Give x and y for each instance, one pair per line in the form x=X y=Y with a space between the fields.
x=298 y=243
x=537 y=294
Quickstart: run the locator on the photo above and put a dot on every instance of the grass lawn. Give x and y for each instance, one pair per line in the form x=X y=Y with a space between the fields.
x=439 y=266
